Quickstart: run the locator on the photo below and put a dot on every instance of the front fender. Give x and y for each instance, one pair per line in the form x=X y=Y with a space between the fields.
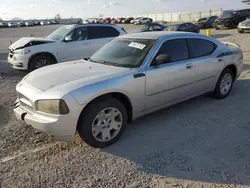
x=133 y=88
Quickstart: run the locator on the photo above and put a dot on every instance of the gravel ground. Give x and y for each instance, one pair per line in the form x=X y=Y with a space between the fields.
x=199 y=143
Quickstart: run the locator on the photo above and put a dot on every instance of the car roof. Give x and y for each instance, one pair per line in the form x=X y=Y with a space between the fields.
x=157 y=34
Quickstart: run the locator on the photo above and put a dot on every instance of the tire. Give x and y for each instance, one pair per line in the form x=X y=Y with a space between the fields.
x=225 y=76
x=217 y=28
x=240 y=31
x=40 y=61
x=92 y=116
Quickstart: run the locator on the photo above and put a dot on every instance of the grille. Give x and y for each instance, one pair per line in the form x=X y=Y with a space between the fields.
x=24 y=102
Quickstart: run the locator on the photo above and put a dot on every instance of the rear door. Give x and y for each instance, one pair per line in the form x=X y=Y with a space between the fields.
x=100 y=35
x=206 y=66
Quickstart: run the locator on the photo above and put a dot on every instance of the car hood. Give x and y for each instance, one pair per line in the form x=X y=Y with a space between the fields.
x=246 y=22
x=29 y=41
x=72 y=75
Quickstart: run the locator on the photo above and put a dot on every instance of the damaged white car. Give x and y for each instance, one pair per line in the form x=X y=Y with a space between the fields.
x=67 y=43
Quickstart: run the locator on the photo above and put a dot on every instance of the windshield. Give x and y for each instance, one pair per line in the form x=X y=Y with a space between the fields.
x=202 y=19
x=172 y=27
x=229 y=14
x=144 y=28
x=123 y=52
x=59 y=33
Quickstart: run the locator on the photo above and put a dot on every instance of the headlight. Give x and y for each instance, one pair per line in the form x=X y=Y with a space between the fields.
x=22 y=52
x=52 y=106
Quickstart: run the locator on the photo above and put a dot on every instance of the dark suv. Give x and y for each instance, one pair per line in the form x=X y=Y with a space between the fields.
x=206 y=23
x=231 y=19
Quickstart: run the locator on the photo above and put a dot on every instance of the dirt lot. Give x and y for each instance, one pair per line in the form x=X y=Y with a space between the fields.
x=199 y=143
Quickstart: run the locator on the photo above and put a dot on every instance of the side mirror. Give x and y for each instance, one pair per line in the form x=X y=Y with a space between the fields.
x=162 y=58
x=68 y=39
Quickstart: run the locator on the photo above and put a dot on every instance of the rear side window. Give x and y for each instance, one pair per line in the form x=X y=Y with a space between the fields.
x=177 y=49
x=97 y=32
x=201 y=47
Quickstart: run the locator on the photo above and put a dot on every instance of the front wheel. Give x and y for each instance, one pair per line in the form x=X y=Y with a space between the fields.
x=40 y=61
x=102 y=123
x=240 y=31
x=224 y=84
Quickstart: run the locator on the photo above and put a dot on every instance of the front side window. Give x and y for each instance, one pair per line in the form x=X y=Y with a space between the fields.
x=177 y=49
x=59 y=33
x=97 y=32
x=78 y=34
x=124 y=52
x=201 y=47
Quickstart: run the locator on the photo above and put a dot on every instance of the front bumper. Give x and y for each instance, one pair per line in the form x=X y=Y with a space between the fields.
x=244 y=28
x=62 y=127
x=18 y=61
x=53 y=126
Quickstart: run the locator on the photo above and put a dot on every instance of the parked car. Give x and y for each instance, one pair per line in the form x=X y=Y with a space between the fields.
x=54 y=22
x=206 y=23
x=65 y=44
x=36 y=23
x=21 y=24
x=143 y=21
x=43 y=23
x=231 y=19
x=129 y=77
x=3 y=25
x=127 y=20
x=48 y=22
x=119 y=20
x=107 y=20
x=152 y=27
x=29 y=23
x=187 y=27
x=244 y=26
x=12 y=24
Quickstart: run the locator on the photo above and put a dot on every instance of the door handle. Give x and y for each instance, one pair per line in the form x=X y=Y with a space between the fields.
x=84 y=44
x=220 y=59
x=189 y=66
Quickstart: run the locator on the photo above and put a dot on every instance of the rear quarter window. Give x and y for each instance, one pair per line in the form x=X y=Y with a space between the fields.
x=201 y=47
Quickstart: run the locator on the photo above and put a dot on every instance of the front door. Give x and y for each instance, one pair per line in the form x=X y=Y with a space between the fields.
x=76 y=45
x=170 y=81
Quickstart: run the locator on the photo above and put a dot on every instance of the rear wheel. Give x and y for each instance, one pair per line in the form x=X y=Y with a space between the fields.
x=102 y=123
x=40 y=61
x=224 y=84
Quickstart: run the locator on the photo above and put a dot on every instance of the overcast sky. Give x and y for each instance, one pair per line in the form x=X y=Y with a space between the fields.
x=28 y=9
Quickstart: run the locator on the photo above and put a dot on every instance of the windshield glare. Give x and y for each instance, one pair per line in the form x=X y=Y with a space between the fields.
x=172 y=27
x=228 y=14
x=144 y=28
x=59 y=33
x=124 y=52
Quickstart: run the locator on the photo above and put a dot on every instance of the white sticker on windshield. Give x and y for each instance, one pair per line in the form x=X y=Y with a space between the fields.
x=137 y=45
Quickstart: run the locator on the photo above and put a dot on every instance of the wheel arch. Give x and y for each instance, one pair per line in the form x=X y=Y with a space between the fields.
x=52 y=56
x=233 y=68
x=124 y=99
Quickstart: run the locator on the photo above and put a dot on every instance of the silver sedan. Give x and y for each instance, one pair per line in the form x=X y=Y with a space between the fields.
x=129 y=77
x=244 y=26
